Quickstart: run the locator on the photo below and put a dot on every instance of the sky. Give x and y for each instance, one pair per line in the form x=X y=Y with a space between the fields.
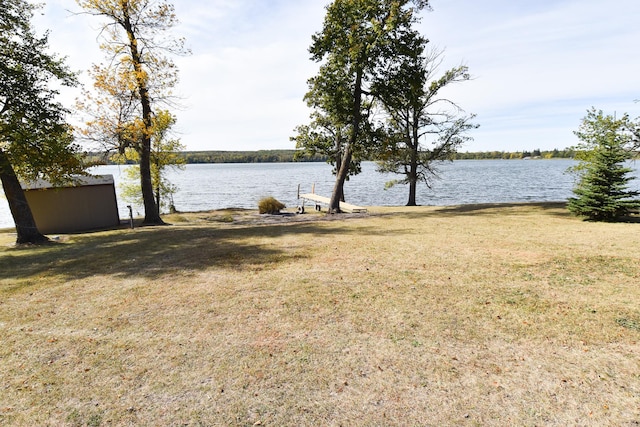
x=536 y=66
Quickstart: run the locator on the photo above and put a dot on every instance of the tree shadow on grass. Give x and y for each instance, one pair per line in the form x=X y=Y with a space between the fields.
x=155 y=251
x=557 y=209
x=629 y=219
x=552 y=208
x=548 y=208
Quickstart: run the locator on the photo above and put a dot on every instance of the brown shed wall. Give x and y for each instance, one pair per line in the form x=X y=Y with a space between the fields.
x=73 y=209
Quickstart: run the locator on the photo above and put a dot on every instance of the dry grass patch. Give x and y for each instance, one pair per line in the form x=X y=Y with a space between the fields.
x=483 y=315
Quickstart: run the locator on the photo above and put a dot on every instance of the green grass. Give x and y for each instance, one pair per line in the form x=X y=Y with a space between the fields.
x=473 y=315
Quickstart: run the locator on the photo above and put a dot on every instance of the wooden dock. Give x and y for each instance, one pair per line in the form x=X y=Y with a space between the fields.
x=344 y=207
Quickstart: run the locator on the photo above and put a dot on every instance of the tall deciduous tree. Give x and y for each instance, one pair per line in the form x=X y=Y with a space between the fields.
x=424 y=128
x=35 y=141
x=356 y=39
x=601 y=192
x=327 y=134
x=138 y=78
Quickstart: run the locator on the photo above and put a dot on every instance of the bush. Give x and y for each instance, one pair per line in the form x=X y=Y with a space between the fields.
x=270 y=205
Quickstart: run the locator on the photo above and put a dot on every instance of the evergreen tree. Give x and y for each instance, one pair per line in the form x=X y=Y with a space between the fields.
x=602 y=191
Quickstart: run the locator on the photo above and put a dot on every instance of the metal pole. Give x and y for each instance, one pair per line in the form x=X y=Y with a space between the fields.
x=130 y=216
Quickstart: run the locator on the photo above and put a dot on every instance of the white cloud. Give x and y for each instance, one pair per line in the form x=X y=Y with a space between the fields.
x=244 y=88
x=546 y=63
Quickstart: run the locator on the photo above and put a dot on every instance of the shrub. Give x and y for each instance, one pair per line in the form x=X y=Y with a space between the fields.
x=270 y=205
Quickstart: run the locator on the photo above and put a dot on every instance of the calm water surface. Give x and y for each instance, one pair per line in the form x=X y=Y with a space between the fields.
x=216 y=186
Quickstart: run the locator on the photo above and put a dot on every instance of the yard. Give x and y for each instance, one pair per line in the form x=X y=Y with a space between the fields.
x=471 y=315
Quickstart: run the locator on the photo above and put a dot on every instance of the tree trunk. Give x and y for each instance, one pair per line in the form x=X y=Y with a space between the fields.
x=158 y=198
x=341 y=176
x=412 y=191
x=151 y=213
x=413 y=164
x=26 y=228
x=338 y=145
x=338 y=189
x=339 y=163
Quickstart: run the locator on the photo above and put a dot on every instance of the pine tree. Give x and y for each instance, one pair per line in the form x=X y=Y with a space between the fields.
x=602 y=191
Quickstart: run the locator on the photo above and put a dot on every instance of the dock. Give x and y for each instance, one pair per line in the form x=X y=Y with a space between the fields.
x=318 y=200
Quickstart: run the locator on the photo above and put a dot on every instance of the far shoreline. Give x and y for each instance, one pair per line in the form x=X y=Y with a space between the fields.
x=294 y=156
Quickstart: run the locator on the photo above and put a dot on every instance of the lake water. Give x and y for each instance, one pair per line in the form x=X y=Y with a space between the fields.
x=216 y=186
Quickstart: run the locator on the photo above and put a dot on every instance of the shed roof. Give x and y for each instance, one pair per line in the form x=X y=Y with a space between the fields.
x=76 y=181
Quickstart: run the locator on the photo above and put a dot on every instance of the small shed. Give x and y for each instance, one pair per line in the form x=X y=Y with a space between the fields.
x=86 y=203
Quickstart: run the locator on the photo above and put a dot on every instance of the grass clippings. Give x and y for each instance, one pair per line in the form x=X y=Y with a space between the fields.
x=472 y=315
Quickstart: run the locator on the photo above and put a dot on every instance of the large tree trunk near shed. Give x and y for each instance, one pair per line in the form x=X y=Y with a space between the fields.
x=26 y=229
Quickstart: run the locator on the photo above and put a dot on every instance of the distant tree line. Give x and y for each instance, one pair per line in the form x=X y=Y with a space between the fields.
x=286 y=156
x=567 y=153
x=261 y=156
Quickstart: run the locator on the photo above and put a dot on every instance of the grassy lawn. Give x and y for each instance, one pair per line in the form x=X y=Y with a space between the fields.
x=477 y=315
